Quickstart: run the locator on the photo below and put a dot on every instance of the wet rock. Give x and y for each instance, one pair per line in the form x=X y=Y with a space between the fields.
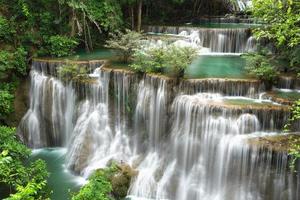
x=21 y=103
x=277 y=143
x=121 y=180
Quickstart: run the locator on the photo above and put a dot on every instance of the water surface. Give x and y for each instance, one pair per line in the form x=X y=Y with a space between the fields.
x=210 y=66
x=60 y=181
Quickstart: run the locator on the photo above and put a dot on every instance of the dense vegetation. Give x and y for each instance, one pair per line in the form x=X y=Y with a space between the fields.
x=18 y=178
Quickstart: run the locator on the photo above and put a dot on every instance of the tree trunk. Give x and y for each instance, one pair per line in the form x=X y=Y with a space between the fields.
x=139 y=14
x=132 y=18
x=72 y=23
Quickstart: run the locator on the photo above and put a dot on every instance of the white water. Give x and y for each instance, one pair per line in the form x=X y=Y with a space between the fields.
x=210 y=40
x=185 y=145
x=50 y=112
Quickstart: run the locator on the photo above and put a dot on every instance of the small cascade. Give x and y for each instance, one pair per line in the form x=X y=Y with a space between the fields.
x=50 y=112
x=229 y=87
x=286 y=82
x=218 y=40
x=151 y=110
x=243 y=4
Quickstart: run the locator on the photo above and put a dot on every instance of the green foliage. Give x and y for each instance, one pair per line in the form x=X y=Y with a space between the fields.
x=6 y=103
x=109 y=183
x=73 y=72
x=294 y=116
x=177 y=59
x=99 y=186
x=260 y=66
x=124 y=43
x=24 y=182
x=171 y=59
x=294 y=152
x=13 y=62
x=6 y=30
x=150 y=61
x=61 y=45
x=106 y=13
x=282 y=19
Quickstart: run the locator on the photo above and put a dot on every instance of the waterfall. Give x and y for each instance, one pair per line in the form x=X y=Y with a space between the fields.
x=286 y=82
x=218 y=40
x=51 y=110
x=186 y=138
x=230 y=87
x=206 y=157
x=151 y=108
x=243 y=4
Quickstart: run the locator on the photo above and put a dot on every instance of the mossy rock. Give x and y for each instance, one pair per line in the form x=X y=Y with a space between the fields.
x=120 y=181
x=277 y=143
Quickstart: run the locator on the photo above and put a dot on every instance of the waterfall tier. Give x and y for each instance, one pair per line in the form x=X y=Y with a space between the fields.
x=218 y=40
x=187 y=138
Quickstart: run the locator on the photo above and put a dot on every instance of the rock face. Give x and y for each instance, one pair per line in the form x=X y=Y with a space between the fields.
x=21 y=103
x=276 y=143
x=121 y=180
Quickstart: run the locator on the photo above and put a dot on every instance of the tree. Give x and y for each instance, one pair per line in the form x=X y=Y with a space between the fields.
x=282 y=25
x=124 y=43
x=171 y=59
x=104 y=15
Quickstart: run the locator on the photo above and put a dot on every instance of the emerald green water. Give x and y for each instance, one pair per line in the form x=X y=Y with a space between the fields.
x=60 y=181
x=217 y=67
x=247 y=102
x=102 y=53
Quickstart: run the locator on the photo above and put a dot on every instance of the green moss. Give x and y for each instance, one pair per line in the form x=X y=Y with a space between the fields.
x=105 y=184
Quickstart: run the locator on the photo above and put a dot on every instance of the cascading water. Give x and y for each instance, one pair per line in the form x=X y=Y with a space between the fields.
x=217 y=40
x=186 y=139
x=50 y=112
x=206 y=157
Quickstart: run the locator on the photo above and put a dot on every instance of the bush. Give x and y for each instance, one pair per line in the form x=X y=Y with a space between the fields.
x=125 y=44
x=6 y=30
x=178 y=59
x=6 y=103
x=99 y=186
x=13 y=62
x=72 y=72
x=260 y=66
x=149 y=61
x=24 y=181
x=109 y=183
x=61 y=45
x=171 y=59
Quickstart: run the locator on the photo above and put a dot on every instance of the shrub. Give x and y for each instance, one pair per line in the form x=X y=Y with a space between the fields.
x=6 y=103
x=294 y=152
x=13 y=62
x=259 y=65
x=61 y=45
x=72 y=72
x=99 y=186
x=24 y=181
x=150 y=61
x=125 y=44
x=178 y=59
x=171 y=59
x=109 y=183
x=6 y=30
